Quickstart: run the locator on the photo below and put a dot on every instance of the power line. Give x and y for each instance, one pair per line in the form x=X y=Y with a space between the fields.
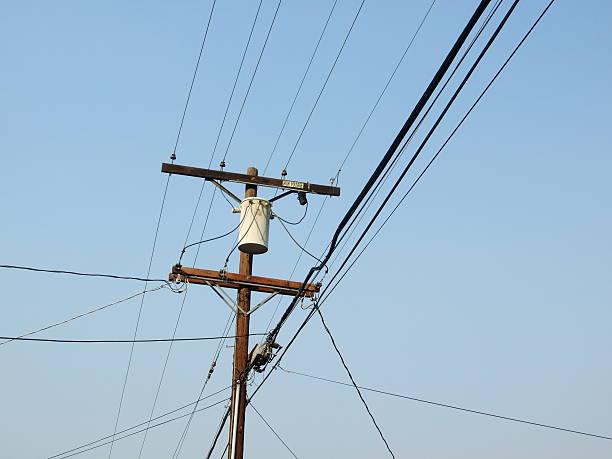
x=365 y=404
x=299 y=89
x=429 y=134
x=390 y=153
x=273 y=431
x=167 y=413
x=453 y=407
x=484 y=91
x=384 y=90
x=195 y=73
x=127 y=371
x=117 y=341
x=76 y=273
x=140 y=431
x=100 y=308
x=248 y=91
x=229 y=102
x=324 y=84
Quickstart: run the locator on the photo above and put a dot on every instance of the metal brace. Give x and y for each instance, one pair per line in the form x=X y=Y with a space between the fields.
x=231 y=303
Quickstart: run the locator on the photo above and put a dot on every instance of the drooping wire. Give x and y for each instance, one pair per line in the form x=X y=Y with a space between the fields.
x=302 y=248
x=294 y=223
x=350 y=375
x=167 y=413
x=273 y=431
x=263 y=48
x=384 y=90
x=348 y=34
x=207 y=240
x=78 y=316
x=299 y=89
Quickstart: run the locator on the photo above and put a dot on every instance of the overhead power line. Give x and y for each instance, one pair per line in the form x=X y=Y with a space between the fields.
x=389 y=154
x=365 y=404
x=453 y=407
x=136 y=432
x=21 y=337
x=117 y=341
x=76 y=273
x=484 y=91
x=273 y=431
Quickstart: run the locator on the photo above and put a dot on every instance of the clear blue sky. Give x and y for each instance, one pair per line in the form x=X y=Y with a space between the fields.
x=490 y=288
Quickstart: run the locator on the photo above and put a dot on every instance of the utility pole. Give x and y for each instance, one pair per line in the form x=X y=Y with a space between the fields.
x=241 y=350
x=254 y=224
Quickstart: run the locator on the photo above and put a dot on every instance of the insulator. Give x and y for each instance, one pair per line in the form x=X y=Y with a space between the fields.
x=284 y=173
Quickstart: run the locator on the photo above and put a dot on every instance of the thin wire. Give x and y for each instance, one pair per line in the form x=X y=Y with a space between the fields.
x=20 y=337
x=213 y=364
x=208 y=240
x=142 y=430
x=167 y=413
x=333 y=341
x=263 y=48
x=229 y=102
x=218 y=434
x=75 y=273
x=384 y=90
x=116 y=341
x=299 y=89
x=324 y=85
x=302 y=248
x=195 y=72
x=453 y=407
x=294 y=223
x=273 y=431
x=127 y=371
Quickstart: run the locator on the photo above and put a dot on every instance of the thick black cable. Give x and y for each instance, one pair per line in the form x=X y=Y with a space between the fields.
x=361 y=212
x=142 y=430
x=273 y=431
x=484 y=91
x=248 y=91
x=299 y=89
x=390 y=152
x=365 y=404
x=331 y=70
x=428 y=136
x=76 y=273
x=167 y=413
x=127 y=370
x=117 y=341
x=453 y=407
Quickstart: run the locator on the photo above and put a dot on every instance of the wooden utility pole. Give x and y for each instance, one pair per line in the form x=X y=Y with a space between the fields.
x=246 y=283
x=241 y=349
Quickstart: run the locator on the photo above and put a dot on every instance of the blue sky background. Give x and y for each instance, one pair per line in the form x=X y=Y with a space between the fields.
x=490 y=288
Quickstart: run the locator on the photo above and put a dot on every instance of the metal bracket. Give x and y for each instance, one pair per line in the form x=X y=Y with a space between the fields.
x=225 y=190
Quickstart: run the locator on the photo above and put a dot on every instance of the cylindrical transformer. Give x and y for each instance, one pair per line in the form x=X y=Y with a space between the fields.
x=254 y=225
